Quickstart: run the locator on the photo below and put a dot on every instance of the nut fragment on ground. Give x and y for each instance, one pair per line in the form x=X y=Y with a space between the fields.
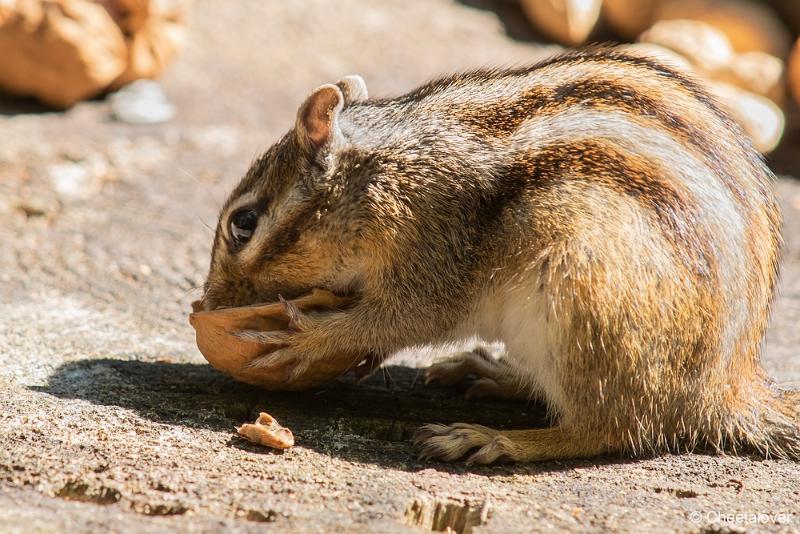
x=268 y=432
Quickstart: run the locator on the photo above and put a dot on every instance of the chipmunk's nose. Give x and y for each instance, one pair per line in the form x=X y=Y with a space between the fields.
x=197 y=305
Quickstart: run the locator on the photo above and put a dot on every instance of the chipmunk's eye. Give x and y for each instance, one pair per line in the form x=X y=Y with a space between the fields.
x=243 y=224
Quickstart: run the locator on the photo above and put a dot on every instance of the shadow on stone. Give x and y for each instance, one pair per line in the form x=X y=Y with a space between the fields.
x=370 y=422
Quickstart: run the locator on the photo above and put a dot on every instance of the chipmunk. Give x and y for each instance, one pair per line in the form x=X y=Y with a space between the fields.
x=597 y=213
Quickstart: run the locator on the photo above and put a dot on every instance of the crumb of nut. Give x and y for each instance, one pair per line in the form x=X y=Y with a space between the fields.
x=268 y=432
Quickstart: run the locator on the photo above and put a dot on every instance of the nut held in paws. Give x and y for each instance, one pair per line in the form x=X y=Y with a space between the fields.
x=217 y=340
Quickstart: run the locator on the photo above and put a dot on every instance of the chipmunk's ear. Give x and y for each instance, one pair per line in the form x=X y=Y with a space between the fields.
x=317 y=118
x=353 y=88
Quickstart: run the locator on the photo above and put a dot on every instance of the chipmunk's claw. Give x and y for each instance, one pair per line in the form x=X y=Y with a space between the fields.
x=447 y=372
x=264 y=337
x=298 y=321
x=285 y=340
x=295 y=370
x=499 y=448
x=271 y=359
x=485 y=388
x=451 y=442
x=367 y=367
x=285 y=359
x=425 y=432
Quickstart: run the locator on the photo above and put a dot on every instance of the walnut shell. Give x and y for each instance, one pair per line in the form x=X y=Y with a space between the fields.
x=757 y=72
x=662 y=54
x=749 y=26
x=60 y=51
x=567 y=21
x=629 y=18
x=217 y=341
x=759 y=116
x=710 y=54
x=703 y=45
x=155 y=33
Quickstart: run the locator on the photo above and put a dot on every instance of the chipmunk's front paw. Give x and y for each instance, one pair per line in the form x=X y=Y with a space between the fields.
x=295 y=352
x=449 y=443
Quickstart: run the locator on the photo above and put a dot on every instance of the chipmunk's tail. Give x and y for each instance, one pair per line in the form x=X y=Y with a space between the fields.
x=774 y=428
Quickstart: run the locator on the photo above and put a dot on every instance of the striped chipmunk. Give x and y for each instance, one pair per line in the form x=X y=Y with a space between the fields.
x=597 y=213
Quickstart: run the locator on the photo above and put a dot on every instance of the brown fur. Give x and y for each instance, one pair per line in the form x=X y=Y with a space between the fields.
x=597 y=211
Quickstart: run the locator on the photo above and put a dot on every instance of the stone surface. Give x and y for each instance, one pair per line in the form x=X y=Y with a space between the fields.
x=110 y=420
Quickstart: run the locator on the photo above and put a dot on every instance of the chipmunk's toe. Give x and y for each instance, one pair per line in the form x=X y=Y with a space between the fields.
x=455 y=368
x=298 y=321
x=449 y=443
x=447 y=373
x=264 y=337
x=426 y=432
x=484 y=376
x=278 y=358
x=499 y=448
x=486 y=388
x=371 y=363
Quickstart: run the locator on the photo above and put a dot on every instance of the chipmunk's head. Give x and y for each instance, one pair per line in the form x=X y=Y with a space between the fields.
x=293 y=222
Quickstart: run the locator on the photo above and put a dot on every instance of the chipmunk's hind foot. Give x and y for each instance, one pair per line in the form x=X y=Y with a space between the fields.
x=452 y=442
x=494 y=377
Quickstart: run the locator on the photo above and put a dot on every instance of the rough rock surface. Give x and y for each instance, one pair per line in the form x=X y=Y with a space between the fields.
x=110 y=420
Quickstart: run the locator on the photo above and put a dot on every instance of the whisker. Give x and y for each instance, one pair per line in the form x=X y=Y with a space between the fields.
x=193 y=288
x=203 y=187
x=213 y=231
x=419 y=372
x=387 y=378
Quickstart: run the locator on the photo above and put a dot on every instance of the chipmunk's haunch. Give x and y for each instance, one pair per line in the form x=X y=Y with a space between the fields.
x=597 y=213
